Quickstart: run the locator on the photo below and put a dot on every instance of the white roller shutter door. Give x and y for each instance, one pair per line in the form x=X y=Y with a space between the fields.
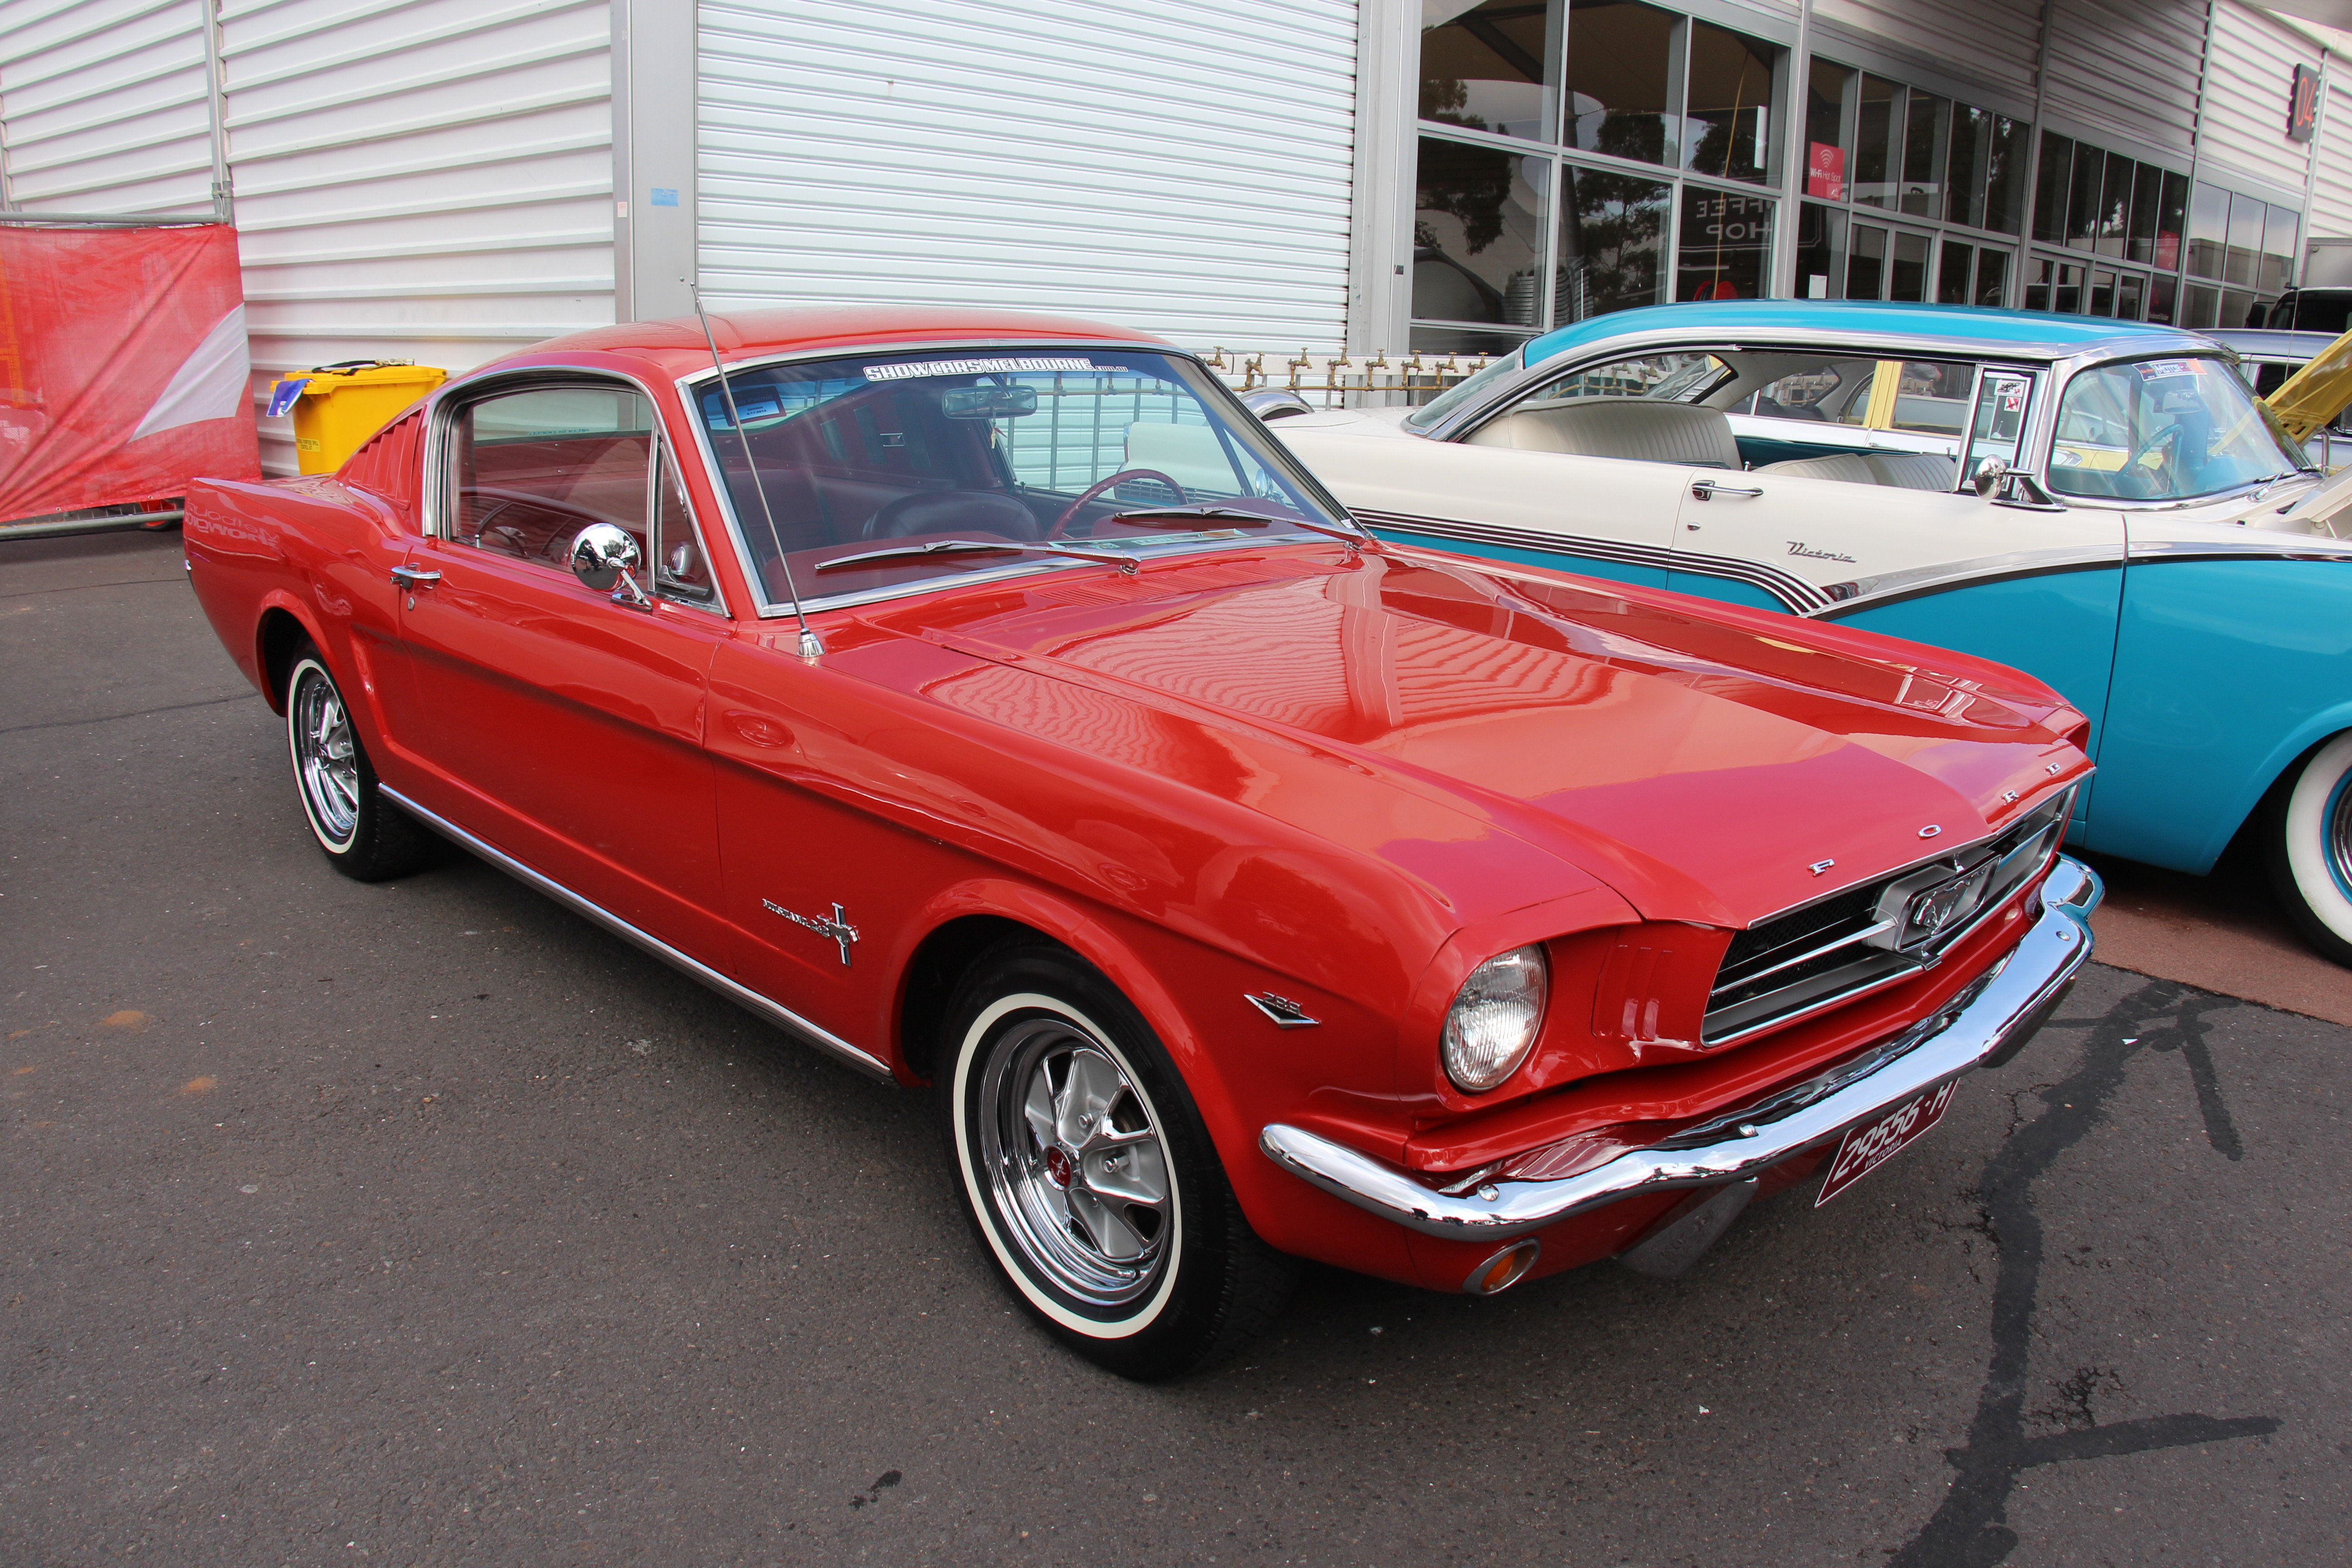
x=107 y=107
x=418 y=179
x=2252 y=68
x=1182 y=169
x=2127 y=67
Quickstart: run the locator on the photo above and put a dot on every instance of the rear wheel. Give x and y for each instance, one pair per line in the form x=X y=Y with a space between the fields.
x=2309 y=847
x=365 y=837
x=1084 y=1169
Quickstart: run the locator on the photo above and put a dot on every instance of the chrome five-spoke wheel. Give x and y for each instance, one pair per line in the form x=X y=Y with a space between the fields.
x=326 y=762
x=1074 y=1162
x=1086 y=1172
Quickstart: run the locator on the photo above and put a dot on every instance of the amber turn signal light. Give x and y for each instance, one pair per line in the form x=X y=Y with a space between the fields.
x=1503 y=1270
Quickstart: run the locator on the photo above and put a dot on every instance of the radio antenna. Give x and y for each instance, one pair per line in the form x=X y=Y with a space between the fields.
x=812 y=646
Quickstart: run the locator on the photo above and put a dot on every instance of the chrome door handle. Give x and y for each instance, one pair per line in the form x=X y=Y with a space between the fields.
x=1708 y=490
x=414 y=577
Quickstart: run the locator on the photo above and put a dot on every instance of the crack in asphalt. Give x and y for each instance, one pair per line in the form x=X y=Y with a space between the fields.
x=1970 y=1529
x=86 y=587
x=138 y=713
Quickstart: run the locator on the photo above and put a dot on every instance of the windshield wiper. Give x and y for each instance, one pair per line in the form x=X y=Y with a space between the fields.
x=1354 y=539
x=976 y=547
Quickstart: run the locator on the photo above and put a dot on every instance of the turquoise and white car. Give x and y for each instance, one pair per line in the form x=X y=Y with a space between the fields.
x=2100 y=503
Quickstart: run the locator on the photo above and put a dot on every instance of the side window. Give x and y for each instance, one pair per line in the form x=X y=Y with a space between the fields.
x=681 y=568
x=2002 y=399
x=530 y=469
x=1925 y=397
x=1665 y=378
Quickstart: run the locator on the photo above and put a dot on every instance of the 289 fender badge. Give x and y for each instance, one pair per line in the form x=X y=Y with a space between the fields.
x=837 y=929
x=1285 y=1014
x=1818 y=866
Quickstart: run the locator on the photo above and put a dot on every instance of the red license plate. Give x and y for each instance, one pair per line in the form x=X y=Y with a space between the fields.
x=1866 y=1148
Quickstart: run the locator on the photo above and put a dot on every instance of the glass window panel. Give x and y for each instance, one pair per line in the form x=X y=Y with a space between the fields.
x=1490 y=66
x=2066 y=293
x=1820 y=252
x=1952 y=274
x=2101 y=300
x=2114 y=206
x=1999 y=421
x=2012 y=142
x=1923 y=153
x=1612 y=244
x=2162 y=292
x=1877 y=134
x=1907 y=278
x=1621 y=71
x=2147 y=197
x=681 y=568
x=2083 y=198
x=2209 y=231
x=2278 y=250
x=2237 y=308
x=1478 y=232
x=1964 y=180
x=1827 y=136
x=1931 y=398
x=2246 y=217
x=535 y=468
x=2201 y=306
x=1461 y=341
x=1992 y=279
x=1724 y=239
x=2050 y=188
x=1663 y=378
x=2130 y=289
x=1865 y=270
x=2163 y=429
x=2171 y=217
x=2039 y=283
x=1728 y=129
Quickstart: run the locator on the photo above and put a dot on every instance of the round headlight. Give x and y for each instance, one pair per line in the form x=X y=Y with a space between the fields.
x=1494 y=1019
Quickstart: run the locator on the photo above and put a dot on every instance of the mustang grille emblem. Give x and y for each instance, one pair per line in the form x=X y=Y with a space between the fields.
x=1799 y=547
x=837 y=929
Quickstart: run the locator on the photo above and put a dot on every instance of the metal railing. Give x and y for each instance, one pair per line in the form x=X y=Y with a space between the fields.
x=1345 y=380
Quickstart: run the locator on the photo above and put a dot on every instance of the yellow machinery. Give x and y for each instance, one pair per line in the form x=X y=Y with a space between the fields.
x=2312 y=396
x=337 y=407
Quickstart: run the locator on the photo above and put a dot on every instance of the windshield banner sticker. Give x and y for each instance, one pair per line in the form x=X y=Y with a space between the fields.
x=975 y=367
x=2163 y=369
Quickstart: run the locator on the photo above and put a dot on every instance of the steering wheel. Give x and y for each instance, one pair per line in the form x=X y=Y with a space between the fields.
x=2165 y=441
x=1092 y=491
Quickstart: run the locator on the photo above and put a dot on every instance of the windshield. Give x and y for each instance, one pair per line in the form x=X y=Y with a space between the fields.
x=2164 y=429
x=1462 y=392
x=1104 y=450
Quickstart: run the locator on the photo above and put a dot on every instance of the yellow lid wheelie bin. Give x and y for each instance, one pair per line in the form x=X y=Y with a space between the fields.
x=337 y=407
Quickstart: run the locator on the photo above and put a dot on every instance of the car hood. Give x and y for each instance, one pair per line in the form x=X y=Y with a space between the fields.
x=1704 y=761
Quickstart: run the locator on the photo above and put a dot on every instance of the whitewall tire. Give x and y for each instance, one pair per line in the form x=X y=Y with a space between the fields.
x=2310 y=847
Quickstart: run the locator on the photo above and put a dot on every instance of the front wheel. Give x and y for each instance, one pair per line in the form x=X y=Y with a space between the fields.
x=1084 y=1169
x=2309 y=848
x=365 y=837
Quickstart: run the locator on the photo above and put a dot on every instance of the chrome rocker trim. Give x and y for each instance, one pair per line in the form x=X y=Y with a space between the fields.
x=741 y=995
x=1983 y=1026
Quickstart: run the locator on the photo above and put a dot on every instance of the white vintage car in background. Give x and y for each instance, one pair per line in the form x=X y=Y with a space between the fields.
x=2101 y=504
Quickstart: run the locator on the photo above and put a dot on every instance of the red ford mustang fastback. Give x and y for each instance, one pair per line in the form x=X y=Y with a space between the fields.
x=987 y=700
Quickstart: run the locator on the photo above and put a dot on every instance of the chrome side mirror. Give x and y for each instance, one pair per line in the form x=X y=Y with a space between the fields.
x=1989 y=472
x=603 y=554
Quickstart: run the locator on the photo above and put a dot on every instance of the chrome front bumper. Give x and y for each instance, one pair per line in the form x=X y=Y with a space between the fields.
x=1983 y=1026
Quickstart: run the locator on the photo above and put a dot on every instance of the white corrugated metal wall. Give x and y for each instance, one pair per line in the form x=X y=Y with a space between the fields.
x=1185 y=169
x=2249 y=77
x=2331 y=188
x=2003 y=36
x=420 y=179
x=106 y=107
x=2122 y=66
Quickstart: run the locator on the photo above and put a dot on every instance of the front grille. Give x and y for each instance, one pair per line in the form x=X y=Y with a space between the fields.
x=1863 y=937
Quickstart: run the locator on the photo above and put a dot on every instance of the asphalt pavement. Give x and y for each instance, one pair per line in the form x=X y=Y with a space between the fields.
x=423 y=1222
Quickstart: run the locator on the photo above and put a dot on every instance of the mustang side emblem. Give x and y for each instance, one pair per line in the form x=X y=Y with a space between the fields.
x=1285 y=1014
x=1799 y=547
x=836 y=930
x=1818 y=866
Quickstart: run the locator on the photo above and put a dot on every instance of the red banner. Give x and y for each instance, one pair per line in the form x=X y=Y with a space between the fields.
x=123 y=366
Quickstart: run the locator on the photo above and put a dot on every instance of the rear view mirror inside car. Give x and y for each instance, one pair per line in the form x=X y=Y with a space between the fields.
x=989 y=401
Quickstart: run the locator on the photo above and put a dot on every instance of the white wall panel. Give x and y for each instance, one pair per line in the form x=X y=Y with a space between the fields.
x=418 y=179
x=2253 y=66
x=2331 y=191
x=1184 y=169
x=105 y=105
x=2003 y=36
x=2127 y=67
